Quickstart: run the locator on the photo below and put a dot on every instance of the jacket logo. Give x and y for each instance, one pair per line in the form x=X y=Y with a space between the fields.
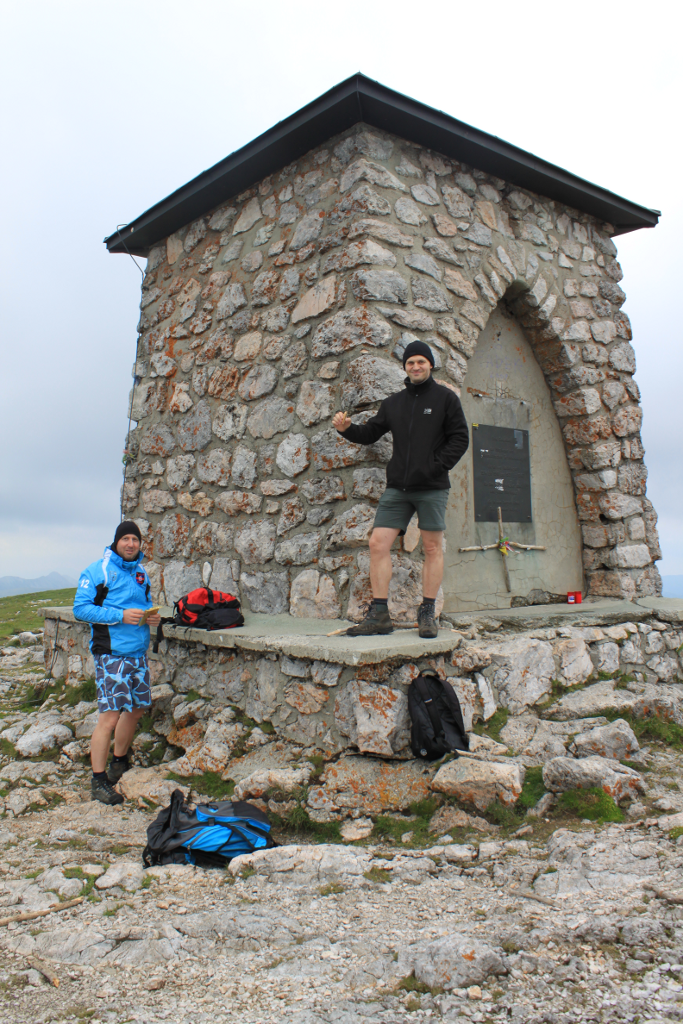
x=85 y=584
x=140 y=578
x=427 y=412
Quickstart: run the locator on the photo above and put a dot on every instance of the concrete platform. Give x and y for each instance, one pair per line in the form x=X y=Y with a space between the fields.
x=307 y=638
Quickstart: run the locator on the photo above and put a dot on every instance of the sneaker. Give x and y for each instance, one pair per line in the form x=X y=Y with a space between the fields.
x=102 y=790
x=428 y=627
x=116 y=770
x=376 y=621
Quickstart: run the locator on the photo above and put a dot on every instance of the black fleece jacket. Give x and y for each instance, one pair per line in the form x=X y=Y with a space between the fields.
x=430 y=435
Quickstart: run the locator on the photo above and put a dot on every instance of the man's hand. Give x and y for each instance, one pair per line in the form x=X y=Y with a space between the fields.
x=132 y=616
x=154 y=620
x=341 y=421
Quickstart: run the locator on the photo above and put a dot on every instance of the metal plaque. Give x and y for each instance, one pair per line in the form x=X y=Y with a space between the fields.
x=502 y=474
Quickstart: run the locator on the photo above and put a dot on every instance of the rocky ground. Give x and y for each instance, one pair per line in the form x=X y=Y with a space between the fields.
x=440 y=912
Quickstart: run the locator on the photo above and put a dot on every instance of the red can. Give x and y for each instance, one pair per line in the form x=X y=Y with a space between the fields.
x=574 y=597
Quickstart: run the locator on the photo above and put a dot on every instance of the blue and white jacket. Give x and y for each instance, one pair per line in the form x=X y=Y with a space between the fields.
x=105 y=589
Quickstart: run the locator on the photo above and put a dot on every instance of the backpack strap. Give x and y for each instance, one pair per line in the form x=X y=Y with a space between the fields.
x=160 y=635
x=428 y=701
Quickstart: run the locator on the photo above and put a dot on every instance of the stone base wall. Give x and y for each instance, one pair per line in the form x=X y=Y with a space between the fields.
x=197 y=687
x=296 y=299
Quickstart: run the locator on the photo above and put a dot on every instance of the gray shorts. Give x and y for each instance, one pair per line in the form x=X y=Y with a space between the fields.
x=396 y=509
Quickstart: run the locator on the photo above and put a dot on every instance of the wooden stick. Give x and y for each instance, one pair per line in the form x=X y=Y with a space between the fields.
x=42 y=913
x=504 y=557
x=533 y=896
x=526 y=547
x=336 y=632
x=480 y=547
x=43 y=969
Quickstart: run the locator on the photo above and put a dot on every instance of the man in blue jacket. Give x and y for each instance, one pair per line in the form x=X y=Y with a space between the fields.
x=112 y=595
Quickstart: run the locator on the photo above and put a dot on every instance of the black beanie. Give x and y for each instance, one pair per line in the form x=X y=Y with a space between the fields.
x=417 y=348
x=124 y=528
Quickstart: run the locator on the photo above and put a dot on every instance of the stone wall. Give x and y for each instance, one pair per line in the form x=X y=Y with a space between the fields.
x=295 y=299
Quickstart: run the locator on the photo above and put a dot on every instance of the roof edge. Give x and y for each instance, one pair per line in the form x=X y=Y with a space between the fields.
x=360 y=99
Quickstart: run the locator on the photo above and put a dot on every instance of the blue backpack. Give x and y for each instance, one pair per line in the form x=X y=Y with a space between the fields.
x=208 y=836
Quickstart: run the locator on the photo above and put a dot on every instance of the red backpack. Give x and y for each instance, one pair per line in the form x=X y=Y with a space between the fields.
x=203 y=609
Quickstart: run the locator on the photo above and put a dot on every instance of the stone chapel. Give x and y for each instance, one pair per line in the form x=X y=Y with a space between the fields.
x=283 y=284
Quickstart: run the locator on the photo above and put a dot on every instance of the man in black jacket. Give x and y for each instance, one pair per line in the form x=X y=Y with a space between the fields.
x=430 y=436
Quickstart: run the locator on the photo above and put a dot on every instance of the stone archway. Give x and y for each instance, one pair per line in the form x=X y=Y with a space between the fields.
x=505 y=386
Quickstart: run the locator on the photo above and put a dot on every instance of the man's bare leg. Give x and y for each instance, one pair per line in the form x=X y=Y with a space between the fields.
x=101 y=739
x=380 y=560
x=125 y=730
x=432 y=570
x=377 y=619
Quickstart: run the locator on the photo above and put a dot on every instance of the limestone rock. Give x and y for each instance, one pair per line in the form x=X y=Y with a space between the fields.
x=429 y=295
x=366 y=170
x=447 y=818
x=323 y=490
x=313 y=596
x=308 y=229
x=368 y=784
x=480 y=782
x=270 y=416
x=456 y=961
x=294 y=360
x=382 y=230
x=470 y=659
x=325 y=673
x=194 y=429
x=250 y=214
x=293 y=514
x=293 y=454
x=288 y=780
x=55 y=881
x=305 y=697
x=180 y=579
x=230 y=421
x=348 y=329
x=258 y=381
x=267 y=593
x=305 y=865
x=375 y=718
x=405 y=589
x=594 y=700
x=616 y=740
x=234 y=503
x=370 y=379
x=524 y=669
x=316 y=300
x=213 y=467
x=361 y=828
x=331 y=450
x=316 y=401
x=565 y=773
x=41 y=737
x=255 y=542
x=383 y=285
x=369 y=483
x=475 y=696
x=351 y=529
x=299 y=550
x=575 y=662
x=408 y=212
x=124 y=873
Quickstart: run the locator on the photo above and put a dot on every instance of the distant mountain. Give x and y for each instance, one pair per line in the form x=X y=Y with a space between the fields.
x=11 y=585
x=673 y=586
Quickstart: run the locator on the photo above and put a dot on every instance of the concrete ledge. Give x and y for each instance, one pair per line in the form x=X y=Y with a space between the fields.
x=593 y=612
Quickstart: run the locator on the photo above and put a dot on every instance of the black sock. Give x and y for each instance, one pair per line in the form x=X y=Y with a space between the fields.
x=381 y=601
x=119 y=757
x=429 y=603
x=99 y=776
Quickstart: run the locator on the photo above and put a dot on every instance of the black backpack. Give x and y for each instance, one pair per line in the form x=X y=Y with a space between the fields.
x=437 y=725
x=208 y=836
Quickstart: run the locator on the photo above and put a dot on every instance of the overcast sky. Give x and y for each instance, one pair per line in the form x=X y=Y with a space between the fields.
x=108 y=107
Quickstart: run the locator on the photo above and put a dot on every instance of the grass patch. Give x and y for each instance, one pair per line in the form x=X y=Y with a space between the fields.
x=492 y=727
x=119 y=850
x=318 y=762
x=146 y=882
x=623 y=680
x=112 y=910
x=377 y=875
x=331 y=890
x=593 y=804
x=652 y=729
x=388 y=828
x=192 y=695
x=209 y=784
x=676 y=833
x=86 y=691
x=411 y=984
x=247 y=872
x=533 y=788
x=636 y=765
x=21 y=613
x=298 y=822
x=7 y=749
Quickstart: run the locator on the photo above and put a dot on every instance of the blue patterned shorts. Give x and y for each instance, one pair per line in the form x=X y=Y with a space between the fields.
x=122 y=682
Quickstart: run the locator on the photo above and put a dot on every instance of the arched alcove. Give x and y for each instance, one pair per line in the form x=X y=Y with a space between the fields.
x=505 y=387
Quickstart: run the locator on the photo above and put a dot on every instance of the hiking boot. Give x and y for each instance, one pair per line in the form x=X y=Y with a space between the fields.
x=376 y=621
x=116 y=770
x=102 y=790
x=428 y=627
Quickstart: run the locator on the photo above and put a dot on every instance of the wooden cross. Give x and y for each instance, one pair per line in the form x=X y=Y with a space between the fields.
x=505 y=547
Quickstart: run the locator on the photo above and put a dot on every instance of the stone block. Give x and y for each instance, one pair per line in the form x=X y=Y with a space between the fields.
x=524 y=669
x=370 y=785
x=370 y=379
x=235 y=503
x=269 y=417
x=300 y=550
x=293 y=514
x=248 y=347
x=293 y=455
x=351 y=529
x=348 y=329
x=375 y=718
x=616 y=741
x=213 y=467
x=258 y=784
x=627 y=420
x=172 y=534
x=250 y=215
x=480 y=782
x=565 y=773
x=255 y=542
x=316 y=402
x=382 y=285
x=306 y=698
x=230 y=421
x=266 y=593
x=308 y=229
x=258 y=381
x=429 y=295
x=313 y=596
x=316 y=300
x=322 y=490
x=456 y=962
x=630 y=556
x=157 y=440
x=382 y=230
x=575 y=661
x=369 y=483
x=294 y=360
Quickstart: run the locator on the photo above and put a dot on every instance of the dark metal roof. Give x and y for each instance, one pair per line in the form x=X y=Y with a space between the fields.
x=361 y=99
